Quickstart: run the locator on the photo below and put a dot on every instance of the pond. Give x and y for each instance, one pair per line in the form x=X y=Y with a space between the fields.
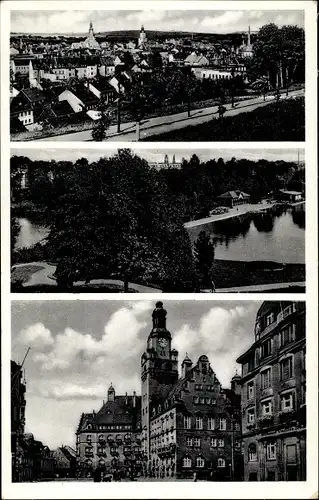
x=276 y=235
x=30 y=233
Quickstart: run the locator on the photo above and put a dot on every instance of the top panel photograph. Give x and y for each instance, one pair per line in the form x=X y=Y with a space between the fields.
x=157 y=75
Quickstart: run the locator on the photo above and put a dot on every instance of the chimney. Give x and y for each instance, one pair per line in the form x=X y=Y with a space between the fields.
x=134 y=399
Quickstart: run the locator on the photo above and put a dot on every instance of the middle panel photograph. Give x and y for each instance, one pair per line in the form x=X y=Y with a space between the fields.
x=153 y=220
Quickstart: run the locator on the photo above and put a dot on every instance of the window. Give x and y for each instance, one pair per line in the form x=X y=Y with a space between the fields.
x=265 y=379
x=196 y=400
x=207 y=401
x=252 y=452
x=200 y=462
x=189 y=441
x=213 y=443
x=286 y=401
x=250 y=390
x=202 y=401
x=198 y=422
x=89 y=438
x=222 y=424
x=265 y=349
x=237 y=426
x=287 y=335
x=187 y=422
x=210 y=423
x=271 y=451
x=213 y=401
x=221 y=462
x=198 y=387
x=270 y=318
x=221 y=443
x=266 y=407
x=197 y=442
x=286 y=368
x=251 y=363
x=187 y=462
x=251 y=415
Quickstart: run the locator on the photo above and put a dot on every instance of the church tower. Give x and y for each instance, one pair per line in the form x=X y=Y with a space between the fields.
x=142 y=38
x=91 y=34
x=159 y=370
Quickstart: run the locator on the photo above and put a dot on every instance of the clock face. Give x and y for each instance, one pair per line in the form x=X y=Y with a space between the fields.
x=162 y=342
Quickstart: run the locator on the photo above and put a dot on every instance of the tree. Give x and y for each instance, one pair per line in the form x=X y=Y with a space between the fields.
x=15 y=229
x=99 y=131
x=138 y=103
x=204 y=251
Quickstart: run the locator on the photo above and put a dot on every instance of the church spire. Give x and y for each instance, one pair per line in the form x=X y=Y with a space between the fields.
x=91 y=29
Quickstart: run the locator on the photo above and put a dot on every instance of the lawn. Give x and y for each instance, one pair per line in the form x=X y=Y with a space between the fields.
x=22 y=274
x=231 y=273
x=278 y=121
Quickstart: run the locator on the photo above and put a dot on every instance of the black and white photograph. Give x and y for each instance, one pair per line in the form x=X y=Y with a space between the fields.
x=144 y=391
x=157 y=75
x=131 y=220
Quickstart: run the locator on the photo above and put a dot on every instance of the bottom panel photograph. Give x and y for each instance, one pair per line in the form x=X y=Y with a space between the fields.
x=139 y=390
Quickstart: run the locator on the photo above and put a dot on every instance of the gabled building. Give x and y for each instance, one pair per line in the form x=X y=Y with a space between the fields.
x=234 y=198
x=110 y=438
x=65 y=461
x=274 y=395
x=190 y=424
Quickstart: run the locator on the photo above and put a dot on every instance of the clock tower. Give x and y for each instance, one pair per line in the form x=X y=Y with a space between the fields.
x=159 y=370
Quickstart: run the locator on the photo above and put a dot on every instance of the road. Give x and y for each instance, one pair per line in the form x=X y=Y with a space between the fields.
x=259 y=288
x=161 y=124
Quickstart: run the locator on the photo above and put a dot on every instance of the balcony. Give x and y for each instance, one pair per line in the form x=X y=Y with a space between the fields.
x=287 y=414
x=166 y=451
x=266 y=420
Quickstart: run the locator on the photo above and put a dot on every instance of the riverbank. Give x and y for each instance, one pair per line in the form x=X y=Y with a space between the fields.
x=237 y=211
x=230 y=273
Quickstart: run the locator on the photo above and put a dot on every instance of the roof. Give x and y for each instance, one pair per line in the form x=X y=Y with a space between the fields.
x=233 y=194
x=119 y=411
x=84 y=94
x=284 y=191
x=33 y=95
x=62 y=108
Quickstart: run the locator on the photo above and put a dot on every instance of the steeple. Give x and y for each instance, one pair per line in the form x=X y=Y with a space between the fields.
x=166 y=160
x=159 y=316
x=91 y=29
x=111 y=393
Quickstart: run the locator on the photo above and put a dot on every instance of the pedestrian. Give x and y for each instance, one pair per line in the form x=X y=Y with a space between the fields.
x=195 y=477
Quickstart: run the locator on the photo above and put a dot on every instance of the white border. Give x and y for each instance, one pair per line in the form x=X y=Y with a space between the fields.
x=170 y=490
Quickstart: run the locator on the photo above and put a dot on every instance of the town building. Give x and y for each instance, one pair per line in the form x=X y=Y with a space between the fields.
x=291 y=196
x=166 y=163
x=109 y=439
x=65 y=461
x=234 y=198
x=273 y=395
x=89 y=43
x=18 y=404
x=190 y=424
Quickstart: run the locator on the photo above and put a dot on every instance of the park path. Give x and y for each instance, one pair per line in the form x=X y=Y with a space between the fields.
x=233 y=212
x=42 y=277
x=259 y=288
x=167 y=123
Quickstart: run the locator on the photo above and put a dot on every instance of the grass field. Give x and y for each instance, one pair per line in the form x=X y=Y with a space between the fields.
x=278 y=121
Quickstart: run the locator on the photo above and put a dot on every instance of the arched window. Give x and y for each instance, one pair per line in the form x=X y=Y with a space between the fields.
x=200 y=462
x=101 y=462
x=221 y=462
x=187 y=462
x=252 y=452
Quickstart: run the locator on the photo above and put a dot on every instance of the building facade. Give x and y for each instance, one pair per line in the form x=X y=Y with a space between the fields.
x=190 y=424
x=110 y=438
x=274 y=395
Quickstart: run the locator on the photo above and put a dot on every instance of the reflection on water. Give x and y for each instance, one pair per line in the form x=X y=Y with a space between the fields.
x=276 y=234
x=30 y=233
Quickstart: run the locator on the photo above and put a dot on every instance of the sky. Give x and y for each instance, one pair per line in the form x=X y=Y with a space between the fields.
x=157 y=155
x=204 y=21
x=79 y=347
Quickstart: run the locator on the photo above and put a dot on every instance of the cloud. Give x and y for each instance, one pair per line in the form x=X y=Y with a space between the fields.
x=220 y=335
x=228 y=18
x=36 y=336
